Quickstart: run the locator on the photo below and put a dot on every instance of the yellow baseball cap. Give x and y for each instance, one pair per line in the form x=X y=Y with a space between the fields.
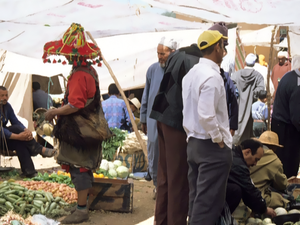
x=208 y=38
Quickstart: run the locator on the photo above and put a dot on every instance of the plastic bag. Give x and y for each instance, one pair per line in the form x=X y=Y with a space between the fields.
x=43 y=220
x=226 y=218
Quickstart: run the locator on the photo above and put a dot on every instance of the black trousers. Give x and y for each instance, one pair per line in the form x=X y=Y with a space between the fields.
x=233 y=196
x=24 y=149
x=289 y=155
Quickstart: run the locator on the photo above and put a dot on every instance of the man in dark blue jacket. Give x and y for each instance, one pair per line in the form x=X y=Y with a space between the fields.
x=18 y=138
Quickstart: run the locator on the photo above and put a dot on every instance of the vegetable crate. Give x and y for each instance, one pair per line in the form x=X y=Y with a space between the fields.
x=135 y=162
x=111 y=195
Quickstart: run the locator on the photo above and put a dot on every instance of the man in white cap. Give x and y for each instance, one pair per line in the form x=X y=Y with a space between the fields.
x=249 y=82
x=286 y=119
x=282 y=67
x=154 y=77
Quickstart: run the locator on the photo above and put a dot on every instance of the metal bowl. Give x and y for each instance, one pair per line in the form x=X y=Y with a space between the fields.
x=280 y=220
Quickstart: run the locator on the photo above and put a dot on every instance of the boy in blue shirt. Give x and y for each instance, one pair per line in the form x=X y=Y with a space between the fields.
x=260 y=114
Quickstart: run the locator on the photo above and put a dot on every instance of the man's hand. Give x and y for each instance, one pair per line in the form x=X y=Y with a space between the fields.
x=221 y=144
x=270 y=212
x=50 y=114
x=24 y=136
x=29 y=134
x=232 y=132
x=144 y=128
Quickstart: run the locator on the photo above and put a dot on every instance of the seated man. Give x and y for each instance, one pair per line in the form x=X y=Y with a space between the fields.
x=240 y=185
x=268 y=172
x=19 y=138
x=40 y=98
x=115 y=110
x=260 y=114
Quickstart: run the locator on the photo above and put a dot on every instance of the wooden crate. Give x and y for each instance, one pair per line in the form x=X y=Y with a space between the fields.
x=112 y=195
x=135 y=162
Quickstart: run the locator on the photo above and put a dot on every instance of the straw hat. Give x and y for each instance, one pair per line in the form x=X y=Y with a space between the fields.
x=270 y=138
x=135 y=102
x=74 y=45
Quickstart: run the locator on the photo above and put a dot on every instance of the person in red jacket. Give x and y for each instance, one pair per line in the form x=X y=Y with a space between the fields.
x=81 y=126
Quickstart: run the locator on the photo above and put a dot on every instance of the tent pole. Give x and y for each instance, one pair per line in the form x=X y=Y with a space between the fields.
x=124 y=98
x=288 y=41
x=268 y=78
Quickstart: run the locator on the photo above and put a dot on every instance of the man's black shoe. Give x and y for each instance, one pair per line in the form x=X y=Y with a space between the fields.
x=148 y=176
x=25 y=175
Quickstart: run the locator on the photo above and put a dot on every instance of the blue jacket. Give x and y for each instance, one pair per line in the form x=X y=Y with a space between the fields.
x=9 y=115
x=231 y=97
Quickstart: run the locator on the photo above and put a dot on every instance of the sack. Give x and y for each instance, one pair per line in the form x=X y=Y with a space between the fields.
x=226 y=218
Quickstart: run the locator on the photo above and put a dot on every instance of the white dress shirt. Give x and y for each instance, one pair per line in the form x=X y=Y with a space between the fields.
x=204 y=103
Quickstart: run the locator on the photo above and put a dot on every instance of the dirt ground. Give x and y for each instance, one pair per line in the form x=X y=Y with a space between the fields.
x=143 y=204
x=143 y=209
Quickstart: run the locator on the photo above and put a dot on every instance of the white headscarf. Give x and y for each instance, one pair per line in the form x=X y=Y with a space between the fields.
x=296 y=62
x=168 y=42
x=282 y=54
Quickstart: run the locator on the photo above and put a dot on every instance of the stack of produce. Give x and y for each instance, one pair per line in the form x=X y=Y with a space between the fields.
x=63 y=191
x=110 y=146
x=12 y=218
x=26 y=202
x=61 y=178
x=131 y=144
x=113 y=169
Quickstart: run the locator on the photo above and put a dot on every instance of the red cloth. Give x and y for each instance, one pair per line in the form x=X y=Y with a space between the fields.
x=278 y=72
x=67 y=168
x=81 y=87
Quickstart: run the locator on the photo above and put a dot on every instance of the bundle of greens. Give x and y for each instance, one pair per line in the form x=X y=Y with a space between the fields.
x=110 y=146
x=9 y=174
x=61 y=179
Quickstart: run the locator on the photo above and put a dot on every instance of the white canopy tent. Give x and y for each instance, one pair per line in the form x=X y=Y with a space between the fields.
x=261 y=37
x=30 y=26
x=129 y=62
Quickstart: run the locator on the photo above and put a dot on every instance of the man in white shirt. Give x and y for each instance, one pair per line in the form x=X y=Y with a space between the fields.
x=205 y=121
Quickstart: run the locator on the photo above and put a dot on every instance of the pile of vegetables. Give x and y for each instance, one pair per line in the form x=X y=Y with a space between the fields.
x=113 y=169
x=110 y=146
x=12 y=218
x=61 y=178
x=63 y=191
x=26 y=202
x=131 y=144
x=9 y=174
x=267 y=221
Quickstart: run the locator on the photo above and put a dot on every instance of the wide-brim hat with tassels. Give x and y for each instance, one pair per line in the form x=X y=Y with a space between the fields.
x=75 y=46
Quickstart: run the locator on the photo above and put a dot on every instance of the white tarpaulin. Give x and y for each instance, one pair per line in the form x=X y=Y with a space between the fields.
x=26 y=25
x=294 y=34
x=260 y=37
x=247 y=11
x=129 y=61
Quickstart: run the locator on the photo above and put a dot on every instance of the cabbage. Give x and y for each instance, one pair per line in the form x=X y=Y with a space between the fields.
x=111 y=165
x=267 y=221
x=280 y=211
x=117 y=163
x=122 y=171
x=112 y=172
x=104 y=164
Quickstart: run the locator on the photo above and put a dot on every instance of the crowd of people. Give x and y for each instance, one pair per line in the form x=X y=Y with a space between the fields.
x=210 y=123
x=209 y=146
